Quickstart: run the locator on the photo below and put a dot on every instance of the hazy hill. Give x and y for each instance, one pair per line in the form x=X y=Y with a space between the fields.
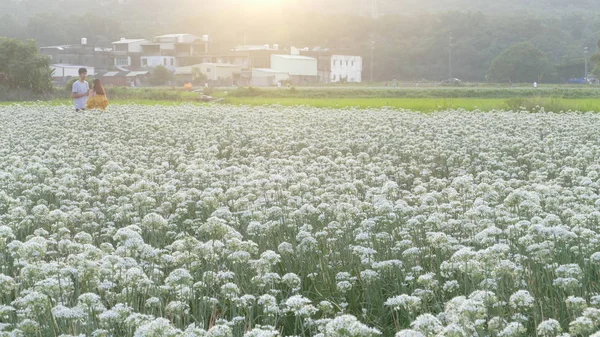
x=136 y=8
x=411 y=39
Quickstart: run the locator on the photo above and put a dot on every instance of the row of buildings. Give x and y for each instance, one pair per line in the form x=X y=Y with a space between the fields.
x=188 y=56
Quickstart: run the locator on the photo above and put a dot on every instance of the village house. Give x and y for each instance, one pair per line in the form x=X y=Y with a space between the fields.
x=124 y=78
x=181 y=53
x=302 y=69
x=261 y=77
x=79 y=54
x=170 y=51
x=63 y=73
x=346 y=68
x=127 y=52
x=323 y=56
x=247 y=57
x=216 y=74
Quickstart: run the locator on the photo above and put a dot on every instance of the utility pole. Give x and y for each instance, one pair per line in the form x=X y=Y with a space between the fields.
x=451 y=45
x=585 y=52
x=372 y=58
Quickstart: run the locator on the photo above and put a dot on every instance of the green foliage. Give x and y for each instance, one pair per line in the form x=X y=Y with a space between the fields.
x=149 y=94
x=530 y=104
x=248 y=92
x=160 y=76
x=22 y=67
x=199 y=77
x=208 y=90
x=539 y=104
x=595 y=63
x=570 y=69
x=520 y=63
x=434 y=92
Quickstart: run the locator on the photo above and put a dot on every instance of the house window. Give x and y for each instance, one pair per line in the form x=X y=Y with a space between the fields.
x=144 y=62
x=353 y=63
x=208 y=70
x=122 y=61
x=172 y=62
x=165 y=61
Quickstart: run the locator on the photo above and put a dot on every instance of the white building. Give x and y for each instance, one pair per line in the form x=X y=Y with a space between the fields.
x=262 y=77
x=275 y=47
x=175 y=38
x=169 y=62
x=302 y=69
x=64 y=72
x=220 y=71
x=346 y=67
x=173 y=50
x=170 y=50
x=126 y=52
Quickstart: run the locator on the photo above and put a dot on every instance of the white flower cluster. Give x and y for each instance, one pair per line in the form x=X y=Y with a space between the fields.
x=270 y=221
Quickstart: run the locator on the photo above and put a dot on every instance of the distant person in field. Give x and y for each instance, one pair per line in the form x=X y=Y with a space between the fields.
x=98 y=98
x=81 y=90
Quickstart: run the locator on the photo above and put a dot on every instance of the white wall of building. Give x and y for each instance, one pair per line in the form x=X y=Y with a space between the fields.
x=294 y=65
x=175 y=38
x=132 y=45
x=268 y=73
x=136 y=47
x=70 y=70
x=348 y=67
x=216 y=71
x=168 y=62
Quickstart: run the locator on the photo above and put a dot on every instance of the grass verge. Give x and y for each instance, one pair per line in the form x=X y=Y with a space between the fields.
x=533 y=104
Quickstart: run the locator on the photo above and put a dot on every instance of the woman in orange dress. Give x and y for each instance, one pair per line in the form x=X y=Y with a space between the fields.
x=97 y=98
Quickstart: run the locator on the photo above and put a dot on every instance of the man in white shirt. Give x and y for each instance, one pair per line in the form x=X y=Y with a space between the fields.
x=81 y=90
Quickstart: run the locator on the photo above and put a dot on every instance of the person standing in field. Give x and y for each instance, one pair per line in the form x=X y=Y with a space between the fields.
x=98 y=99
x=81 y=90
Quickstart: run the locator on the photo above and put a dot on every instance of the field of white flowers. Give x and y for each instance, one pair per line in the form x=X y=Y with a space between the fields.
x=230 y=221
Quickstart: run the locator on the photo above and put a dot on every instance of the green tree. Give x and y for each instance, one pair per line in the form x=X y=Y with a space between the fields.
x=198 y=76
x=521 y=63
x=160 y=76
x=570 y=69
x=595 y=62
x=22 y=67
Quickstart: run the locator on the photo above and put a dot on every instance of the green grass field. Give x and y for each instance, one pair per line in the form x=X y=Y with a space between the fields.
x=556 y=99
x=112 y=102
x=415 y=104
x=429 y=104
